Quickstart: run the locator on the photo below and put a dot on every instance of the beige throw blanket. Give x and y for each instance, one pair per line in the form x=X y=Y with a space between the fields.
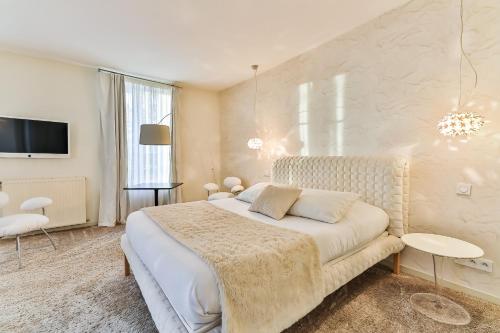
x=268 y=277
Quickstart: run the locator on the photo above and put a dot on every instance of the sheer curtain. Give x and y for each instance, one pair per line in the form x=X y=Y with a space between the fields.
x=146 y=103
x=113 y=202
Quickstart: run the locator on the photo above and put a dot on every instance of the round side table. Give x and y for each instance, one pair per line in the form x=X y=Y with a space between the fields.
x=434 y=305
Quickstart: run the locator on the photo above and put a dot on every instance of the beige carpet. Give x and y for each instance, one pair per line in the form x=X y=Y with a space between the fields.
x=81 y=288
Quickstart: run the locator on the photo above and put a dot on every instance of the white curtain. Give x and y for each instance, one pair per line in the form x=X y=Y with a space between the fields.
x=147 y=103
x=112 y=206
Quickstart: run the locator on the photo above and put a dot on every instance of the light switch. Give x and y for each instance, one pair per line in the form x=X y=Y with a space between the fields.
x=464 y=189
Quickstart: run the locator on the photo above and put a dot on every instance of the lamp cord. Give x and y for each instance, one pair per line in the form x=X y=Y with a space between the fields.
x=462 y=55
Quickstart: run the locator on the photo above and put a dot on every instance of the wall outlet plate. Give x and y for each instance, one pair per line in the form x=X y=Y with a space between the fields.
x=482 y=264
x=464 y=189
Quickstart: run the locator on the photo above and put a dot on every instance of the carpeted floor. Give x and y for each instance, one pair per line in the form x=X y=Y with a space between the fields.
x=81 y=288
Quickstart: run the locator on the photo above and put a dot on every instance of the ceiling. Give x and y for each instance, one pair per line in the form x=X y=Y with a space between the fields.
x=205 y=43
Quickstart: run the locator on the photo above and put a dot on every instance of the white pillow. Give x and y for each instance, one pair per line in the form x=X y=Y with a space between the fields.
x=250 y=194
x=323 y=205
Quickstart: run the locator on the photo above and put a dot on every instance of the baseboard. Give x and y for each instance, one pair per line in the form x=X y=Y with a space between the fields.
x=445 y=283
x=74 y=226
x=50 y=230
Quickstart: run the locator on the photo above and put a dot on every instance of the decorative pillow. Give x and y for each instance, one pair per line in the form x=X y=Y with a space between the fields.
x=252 y=192
x=275 y=201
x=323 y=205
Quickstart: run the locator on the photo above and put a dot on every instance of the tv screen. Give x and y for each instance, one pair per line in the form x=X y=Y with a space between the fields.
x=33 y=138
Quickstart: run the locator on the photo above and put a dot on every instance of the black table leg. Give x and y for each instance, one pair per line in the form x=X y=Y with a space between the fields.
x=156 y=197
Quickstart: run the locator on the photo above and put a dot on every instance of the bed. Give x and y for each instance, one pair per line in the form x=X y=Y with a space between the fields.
x=180 y=290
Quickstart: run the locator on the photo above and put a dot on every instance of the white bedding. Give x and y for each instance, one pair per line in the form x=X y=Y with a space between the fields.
x=189 y=283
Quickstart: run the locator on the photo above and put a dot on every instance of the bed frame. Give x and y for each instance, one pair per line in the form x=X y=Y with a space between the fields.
x=380 y=181
x=396 y=257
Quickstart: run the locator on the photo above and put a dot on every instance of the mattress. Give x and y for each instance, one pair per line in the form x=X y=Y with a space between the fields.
x=191 y=286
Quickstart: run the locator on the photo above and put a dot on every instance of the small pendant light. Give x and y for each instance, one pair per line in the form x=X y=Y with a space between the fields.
x=256 y=142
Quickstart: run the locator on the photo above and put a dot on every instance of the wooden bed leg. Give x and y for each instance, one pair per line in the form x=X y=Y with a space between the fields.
x=396 y=260
x=126 y=265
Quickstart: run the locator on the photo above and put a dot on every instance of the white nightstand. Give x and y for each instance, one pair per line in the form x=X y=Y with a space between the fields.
x=433 y=305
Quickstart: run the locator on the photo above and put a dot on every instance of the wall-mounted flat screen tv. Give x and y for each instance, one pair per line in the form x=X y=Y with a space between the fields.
x=33 y=138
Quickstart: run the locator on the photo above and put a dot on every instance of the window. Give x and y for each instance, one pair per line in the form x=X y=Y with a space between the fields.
x=146 y=103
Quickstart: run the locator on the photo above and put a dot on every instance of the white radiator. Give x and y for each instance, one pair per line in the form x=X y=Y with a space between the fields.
x=67 y=194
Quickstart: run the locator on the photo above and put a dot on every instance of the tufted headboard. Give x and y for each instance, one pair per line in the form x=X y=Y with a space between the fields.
x=382 y=182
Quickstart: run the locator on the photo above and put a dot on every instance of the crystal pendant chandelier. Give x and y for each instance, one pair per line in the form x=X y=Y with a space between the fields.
x=461 y=123
x=464 y=123
x=256 y=142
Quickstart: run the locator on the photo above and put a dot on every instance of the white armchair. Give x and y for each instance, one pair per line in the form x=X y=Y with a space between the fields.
x=211 y=187
x=233 y=184
x=19 y=224
x=38 y=203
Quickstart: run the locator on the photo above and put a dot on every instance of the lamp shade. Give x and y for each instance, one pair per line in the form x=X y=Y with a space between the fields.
x=152 y=134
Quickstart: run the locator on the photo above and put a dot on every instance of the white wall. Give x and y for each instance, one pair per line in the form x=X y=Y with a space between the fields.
x=38 y=88
x=199 y=141
x=41 y=88
x=381 y=89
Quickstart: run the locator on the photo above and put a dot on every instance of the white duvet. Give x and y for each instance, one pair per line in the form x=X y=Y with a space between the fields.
x=190 y=285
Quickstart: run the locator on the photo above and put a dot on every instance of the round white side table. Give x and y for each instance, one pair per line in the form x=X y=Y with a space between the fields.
x=434 y=305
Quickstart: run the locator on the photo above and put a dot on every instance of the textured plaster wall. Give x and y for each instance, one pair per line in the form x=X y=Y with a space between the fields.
x=380 y=89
